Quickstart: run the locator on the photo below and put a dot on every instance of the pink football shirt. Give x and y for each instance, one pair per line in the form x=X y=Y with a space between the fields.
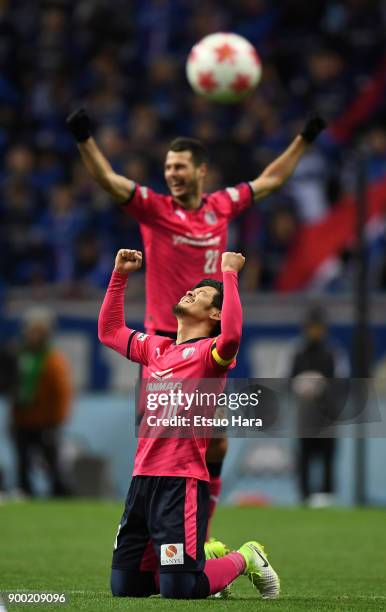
x=187 y=362
x=182 y=246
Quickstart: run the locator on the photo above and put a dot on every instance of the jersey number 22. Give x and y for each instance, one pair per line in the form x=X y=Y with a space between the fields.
x=211 y=259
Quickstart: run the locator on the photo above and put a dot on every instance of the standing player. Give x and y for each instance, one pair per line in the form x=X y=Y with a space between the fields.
x=167 y=503
x=187 y=228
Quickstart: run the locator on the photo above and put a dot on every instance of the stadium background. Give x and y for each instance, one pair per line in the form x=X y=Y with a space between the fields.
x=59 y=232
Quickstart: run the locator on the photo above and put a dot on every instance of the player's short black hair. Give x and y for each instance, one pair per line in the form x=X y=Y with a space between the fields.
x=217 y=299
x=198 y=150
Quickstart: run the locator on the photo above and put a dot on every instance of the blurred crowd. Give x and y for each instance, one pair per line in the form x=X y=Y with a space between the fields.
x=125 y=62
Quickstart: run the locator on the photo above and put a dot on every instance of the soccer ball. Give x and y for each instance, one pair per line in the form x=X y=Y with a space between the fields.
x=223 y=67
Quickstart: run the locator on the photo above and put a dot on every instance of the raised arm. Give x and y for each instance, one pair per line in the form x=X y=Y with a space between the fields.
x=112 y=329
x=276 y=174
x=227 y=343
x=119 y=187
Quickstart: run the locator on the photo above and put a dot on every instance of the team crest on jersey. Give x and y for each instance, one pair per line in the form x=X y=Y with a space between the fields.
x=188 y=352
x=234 y=194
x=210 y=217
x=180 y=214
x=142 y=337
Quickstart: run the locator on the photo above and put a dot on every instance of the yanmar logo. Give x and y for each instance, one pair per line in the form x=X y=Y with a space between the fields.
x=198 y=241
x=163 y=386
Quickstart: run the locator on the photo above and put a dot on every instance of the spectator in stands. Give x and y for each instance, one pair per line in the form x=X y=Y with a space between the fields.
x=267 y=239
x=39 y=388
x=375 y=144
x=23 y=253
x=60 y=226
x=92 y=263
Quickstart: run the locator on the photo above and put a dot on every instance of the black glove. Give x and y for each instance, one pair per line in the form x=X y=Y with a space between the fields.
x=79 y=124
x=313 y=126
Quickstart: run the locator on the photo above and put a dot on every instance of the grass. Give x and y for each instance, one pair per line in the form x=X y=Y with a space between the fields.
x=331 y=559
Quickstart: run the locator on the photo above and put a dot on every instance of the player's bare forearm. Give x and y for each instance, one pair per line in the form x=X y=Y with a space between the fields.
x=94 y=160
x=279 y=171
x=119 y=187
x=80 y=125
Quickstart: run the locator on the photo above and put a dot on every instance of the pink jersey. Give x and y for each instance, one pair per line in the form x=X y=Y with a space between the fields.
x=201 y=358
x=182 y=246
x=189 y=361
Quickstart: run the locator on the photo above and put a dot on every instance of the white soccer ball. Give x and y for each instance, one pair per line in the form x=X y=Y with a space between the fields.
x=223 y=67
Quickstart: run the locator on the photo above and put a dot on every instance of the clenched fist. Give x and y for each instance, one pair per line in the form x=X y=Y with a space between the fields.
x=128 y=261
x=232 y=262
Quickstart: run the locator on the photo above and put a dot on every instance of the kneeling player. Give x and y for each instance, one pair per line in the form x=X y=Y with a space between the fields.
x=160 y=543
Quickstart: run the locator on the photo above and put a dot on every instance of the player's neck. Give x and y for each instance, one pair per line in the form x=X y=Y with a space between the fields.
x=192 y=201
x=187 y=331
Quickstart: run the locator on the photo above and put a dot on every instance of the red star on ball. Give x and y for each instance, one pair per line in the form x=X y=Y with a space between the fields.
x=206 y=81
x=241 y=83
x=225 y=53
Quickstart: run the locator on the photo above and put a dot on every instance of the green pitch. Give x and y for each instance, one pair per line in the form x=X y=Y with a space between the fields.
x=327 y=559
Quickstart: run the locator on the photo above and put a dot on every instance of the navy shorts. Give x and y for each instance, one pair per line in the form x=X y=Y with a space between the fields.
x=163 y=525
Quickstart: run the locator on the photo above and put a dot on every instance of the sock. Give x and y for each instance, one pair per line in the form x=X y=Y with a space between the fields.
x=221 y=572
